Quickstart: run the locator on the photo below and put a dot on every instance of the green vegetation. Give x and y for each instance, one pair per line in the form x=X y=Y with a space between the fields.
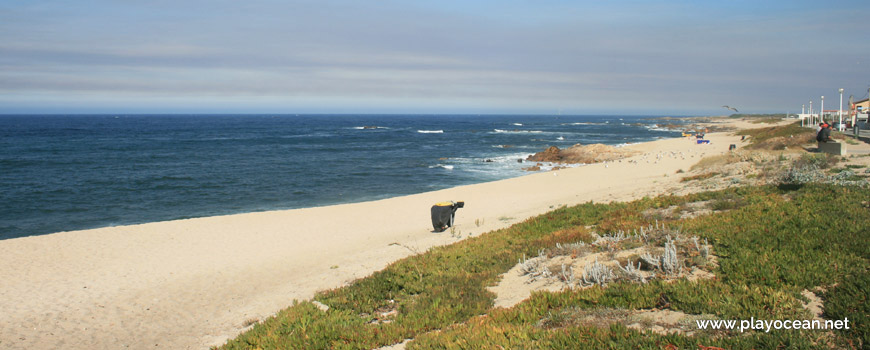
x=779 y=137
x=727 y=201
x=771 y=244
x=848 y=167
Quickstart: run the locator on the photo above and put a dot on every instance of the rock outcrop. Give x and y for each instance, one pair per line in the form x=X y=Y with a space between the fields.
x=580 y=154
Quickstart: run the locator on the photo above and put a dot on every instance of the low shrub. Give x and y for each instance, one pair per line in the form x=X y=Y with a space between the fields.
x=819 y=160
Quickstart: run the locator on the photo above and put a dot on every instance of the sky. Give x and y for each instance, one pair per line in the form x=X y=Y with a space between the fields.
x=430 y=57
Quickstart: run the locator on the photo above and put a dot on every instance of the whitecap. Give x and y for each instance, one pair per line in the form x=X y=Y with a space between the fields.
x=656 y=127
x=443 y=166
x=518 y=131
x=583 y=124
x=430 y=131
x=517 y=124
x=368 y=127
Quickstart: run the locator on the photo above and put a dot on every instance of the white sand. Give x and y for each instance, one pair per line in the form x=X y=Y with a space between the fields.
x=190 y=284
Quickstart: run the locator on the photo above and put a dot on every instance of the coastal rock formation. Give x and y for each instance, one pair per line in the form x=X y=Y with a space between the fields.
x=551 y=154
x=580 y=154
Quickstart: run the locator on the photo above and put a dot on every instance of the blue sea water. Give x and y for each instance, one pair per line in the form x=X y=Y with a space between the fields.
x=62 y=173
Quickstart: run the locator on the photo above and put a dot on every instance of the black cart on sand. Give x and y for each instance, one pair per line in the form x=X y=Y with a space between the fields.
x=443 y=214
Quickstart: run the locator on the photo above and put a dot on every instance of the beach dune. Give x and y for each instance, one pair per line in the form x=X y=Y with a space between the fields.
x=191 y=284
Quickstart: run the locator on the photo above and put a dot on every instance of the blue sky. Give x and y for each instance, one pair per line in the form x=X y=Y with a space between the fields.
x=539 y=57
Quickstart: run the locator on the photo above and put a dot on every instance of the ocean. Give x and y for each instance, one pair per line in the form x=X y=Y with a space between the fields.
x=63 y=173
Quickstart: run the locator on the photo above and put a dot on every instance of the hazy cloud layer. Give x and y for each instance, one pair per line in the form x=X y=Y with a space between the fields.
x=428 y=57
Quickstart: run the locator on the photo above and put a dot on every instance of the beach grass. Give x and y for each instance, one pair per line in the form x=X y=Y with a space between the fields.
x=779 y=137
x=776 y=243
x=699 y=177
x=771 y=118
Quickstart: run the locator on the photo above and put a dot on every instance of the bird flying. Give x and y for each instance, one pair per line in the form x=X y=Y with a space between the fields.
x=731 y=108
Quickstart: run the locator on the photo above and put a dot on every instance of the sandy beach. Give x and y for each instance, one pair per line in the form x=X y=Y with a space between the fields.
x=192 y=284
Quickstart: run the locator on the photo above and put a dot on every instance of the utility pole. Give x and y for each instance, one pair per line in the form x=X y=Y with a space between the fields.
x=841 y=110
x=822 y=111
x=803 y=111
x=812 y=118
x=851 y=112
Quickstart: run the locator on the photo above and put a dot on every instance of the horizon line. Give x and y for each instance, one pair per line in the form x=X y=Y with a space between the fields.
x=379 y=114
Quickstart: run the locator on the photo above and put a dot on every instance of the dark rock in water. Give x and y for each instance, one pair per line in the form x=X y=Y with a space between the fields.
x=519 y=160
x=443 y=158
x=370 y=127
x=488 y=161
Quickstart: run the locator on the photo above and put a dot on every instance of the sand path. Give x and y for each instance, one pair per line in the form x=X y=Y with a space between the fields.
x=191 y=284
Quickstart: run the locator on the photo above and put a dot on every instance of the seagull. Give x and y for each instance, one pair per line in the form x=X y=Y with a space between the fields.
x=729 y=107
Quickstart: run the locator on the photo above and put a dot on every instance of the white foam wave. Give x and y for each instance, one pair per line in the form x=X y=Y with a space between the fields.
x=430 y=131
x=369 y=127
x=517 y=124
x=583 y=123
x=443 y=166
x=518 y=131
x=655 y=127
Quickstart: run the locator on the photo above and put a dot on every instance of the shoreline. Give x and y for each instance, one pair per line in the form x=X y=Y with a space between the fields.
x=196 y=282
x=172 y=188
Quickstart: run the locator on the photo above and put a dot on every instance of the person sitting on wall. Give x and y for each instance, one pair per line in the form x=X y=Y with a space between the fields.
x=824 y=134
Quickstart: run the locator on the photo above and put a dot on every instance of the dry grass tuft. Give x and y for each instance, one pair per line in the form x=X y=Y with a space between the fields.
x=779 y=137
x=703 y=176
x=714 y=161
